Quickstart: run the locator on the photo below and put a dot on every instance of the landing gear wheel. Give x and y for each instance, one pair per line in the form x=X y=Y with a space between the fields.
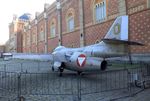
x=79 y=72
x=61 y=69
x=103 y=65
x=52 y=68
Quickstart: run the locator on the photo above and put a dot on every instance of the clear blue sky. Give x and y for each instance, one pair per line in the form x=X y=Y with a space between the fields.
x=10 y=7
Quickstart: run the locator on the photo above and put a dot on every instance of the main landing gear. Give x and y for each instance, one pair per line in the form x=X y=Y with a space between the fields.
x=79 y=72
x=52 y=68
x=61 y=69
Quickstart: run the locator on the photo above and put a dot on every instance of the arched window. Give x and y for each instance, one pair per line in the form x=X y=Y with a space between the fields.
x=41 y=34
x=99 y=10
x=70 y=20
x=70 y=23
x=53 y=29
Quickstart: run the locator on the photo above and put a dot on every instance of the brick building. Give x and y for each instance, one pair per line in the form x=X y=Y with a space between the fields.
x=16 y=28
x=77 y=23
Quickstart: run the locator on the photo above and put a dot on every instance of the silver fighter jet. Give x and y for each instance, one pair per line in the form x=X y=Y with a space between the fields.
x=94 y=57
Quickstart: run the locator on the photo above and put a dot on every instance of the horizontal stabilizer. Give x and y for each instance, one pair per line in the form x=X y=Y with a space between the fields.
x=116 y=41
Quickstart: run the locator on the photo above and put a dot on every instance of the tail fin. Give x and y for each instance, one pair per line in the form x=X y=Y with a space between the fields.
x=119 y=29
x=118 y=32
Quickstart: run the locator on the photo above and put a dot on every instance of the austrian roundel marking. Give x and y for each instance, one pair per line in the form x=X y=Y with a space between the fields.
x=81 y=60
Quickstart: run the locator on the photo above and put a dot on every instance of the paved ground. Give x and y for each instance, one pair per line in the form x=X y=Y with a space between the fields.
x=37 y=86
x=24 y=66
x=141 y=96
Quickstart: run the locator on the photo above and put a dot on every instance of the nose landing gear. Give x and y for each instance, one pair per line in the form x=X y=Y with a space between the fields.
x=61 y=69
x=103 y=65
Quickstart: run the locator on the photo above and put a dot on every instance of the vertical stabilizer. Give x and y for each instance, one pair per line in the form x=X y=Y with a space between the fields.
x=119 y=29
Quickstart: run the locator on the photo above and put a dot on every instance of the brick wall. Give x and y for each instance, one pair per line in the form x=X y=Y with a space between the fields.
x=71 y=39
x=134 y=6
x=50 y=18
x=41 y=47
x=139 y=22
x=135 y=3
x=112 y=7
x=52 y=43
x=33 y=39
x=19 y=42
x=96 y=32
x=88 y=11
x=140 y=30
x=41 y=25
x=33 y=48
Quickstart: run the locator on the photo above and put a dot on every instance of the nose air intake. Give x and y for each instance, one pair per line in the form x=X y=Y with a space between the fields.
x=103 y=65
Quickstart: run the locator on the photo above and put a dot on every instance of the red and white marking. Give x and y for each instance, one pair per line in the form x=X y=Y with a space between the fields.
x=81 y=60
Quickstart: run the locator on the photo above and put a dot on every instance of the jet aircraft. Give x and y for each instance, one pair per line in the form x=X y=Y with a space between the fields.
x=94 y=57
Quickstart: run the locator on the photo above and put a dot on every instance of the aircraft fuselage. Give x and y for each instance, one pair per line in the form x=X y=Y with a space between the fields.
x=94 y=56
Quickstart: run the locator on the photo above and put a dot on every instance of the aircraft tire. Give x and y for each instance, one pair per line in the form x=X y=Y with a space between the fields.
x=61 y=69
x=79 y=72
x=52 y=68
x=103 y=65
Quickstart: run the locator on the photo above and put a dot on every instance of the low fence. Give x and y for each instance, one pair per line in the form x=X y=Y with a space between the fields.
x=71 y=87
x=9 y=85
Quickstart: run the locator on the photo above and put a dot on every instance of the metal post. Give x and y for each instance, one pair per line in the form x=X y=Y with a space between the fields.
x=129 y=82
x=19 y=87
x=38 y=66
x=21 y=67
x=79 y=87
x=148 y=69
x=5 y=70
x=21 y=98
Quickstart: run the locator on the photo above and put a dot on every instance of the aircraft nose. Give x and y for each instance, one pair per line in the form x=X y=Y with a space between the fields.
x=53 y=53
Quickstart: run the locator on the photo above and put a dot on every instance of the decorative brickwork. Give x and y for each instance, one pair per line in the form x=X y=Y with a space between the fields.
x=140 y=31
x=96 y=32
x=71 y=38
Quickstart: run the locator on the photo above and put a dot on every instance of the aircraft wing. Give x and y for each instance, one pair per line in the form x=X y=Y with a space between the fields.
x=39 y=57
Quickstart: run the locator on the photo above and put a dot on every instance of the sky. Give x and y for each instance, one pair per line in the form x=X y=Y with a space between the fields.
x=10 y=7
